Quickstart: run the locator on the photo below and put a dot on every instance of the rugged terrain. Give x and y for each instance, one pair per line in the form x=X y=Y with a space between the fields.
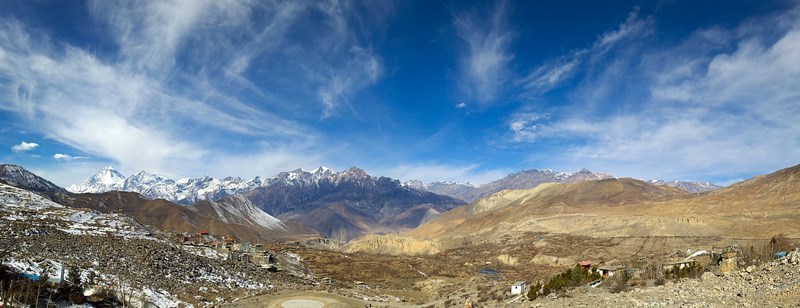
x=773 y=284
x=757 y=208
x=473 y=252
x=341 y=205
x=40 y=237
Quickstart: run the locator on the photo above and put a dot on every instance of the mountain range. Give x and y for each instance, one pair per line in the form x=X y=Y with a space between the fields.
x=528 y=179
x=345 y=205
x=341 y=205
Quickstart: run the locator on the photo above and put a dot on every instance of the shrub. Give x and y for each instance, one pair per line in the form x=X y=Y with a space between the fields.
x=570 y=278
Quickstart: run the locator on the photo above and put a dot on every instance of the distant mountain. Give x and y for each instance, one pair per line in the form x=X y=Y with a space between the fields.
x=18 y=176
x=692 y=186
x=447 y=188
x=107 y=179
x=184 y=191
x=525 y=179
x=347 y=204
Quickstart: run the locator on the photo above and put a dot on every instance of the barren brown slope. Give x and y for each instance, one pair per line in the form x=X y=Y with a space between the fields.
x=217 y=218
x=510 y=206
x=758 y=208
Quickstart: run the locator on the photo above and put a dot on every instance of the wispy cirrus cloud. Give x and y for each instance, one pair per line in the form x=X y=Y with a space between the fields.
x=24 y=146
x=485 y=64
x=67 y=157
x=721 y=102
x=553 y=73
x=189 y=81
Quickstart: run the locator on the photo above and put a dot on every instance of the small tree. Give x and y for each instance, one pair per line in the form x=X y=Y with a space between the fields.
x=533 y=293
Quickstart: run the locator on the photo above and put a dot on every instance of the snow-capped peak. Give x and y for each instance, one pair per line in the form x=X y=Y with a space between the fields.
x=104 y=180
x=107 y=176
x=322 y=170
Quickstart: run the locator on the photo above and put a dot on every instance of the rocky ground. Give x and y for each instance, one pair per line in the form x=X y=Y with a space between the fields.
x=113 y=251
x=773 y=284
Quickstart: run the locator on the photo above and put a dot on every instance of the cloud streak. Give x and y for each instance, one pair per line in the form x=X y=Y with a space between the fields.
x=485 y=64
x=24 y=146
x=178 y=90
x=67 y=157
x=721 y=102
x=553 y=73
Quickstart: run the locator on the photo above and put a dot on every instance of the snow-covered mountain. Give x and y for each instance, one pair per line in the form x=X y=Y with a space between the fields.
x=344 y=205
x=447 y=188
x=18 y=176
x=107 y=179
x=190 y=190
x=153 y=186
x=689 y=186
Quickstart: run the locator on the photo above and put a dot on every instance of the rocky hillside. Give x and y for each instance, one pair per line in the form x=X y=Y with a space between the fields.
x=232 y=215
x=774 y=284
x=39 y=236
x=18 y=176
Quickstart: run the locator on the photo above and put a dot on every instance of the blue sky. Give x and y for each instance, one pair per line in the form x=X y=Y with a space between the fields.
x=429 y=90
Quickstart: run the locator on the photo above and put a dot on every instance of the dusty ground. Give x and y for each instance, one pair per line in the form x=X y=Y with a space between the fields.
x=292 y=299
x=452 y=277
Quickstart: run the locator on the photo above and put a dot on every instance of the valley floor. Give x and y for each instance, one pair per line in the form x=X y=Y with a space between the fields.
x=773 y=284
x=297 y=299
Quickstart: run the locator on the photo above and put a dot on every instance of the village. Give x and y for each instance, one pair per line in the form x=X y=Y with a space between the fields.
x=232 y=249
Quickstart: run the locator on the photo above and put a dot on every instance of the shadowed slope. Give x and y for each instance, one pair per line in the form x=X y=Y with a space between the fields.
x=229 y=216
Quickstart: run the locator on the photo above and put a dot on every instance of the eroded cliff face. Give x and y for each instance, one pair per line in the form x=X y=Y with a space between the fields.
x=392 y=244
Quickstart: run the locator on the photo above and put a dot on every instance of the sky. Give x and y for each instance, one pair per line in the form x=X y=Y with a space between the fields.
x=467 y=91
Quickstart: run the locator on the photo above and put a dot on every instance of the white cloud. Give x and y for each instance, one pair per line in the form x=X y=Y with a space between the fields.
x=362 y=69
x=67 y=157
x=633 y=27
x=461 y=105
x=24 y=146
x=485 y=64
x=706 y=112
x=181 y=90
x=550 y=75
x=553 y=73
x=526 y=127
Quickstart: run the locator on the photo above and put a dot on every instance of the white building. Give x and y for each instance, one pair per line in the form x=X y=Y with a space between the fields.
x=518 y=287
